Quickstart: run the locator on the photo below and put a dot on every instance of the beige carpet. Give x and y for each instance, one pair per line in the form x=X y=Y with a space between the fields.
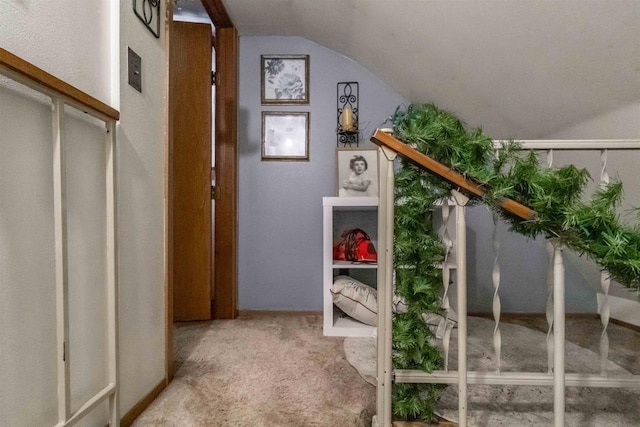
x=524 y=349
x=278 y=370
x=265 y=370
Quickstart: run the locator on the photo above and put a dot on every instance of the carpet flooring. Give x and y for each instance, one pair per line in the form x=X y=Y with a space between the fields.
x=279 y=370
x=524 y=349
x=262 y=370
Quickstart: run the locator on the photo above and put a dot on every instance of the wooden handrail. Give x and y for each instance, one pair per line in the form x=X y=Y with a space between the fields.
x=30 y=75
x=387 y=140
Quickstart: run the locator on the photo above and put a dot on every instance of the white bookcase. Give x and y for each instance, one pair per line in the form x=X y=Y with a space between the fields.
x=343 y=213
x=340 y=214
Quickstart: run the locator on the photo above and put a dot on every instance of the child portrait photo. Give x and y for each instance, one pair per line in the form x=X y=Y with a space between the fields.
x=357 y=172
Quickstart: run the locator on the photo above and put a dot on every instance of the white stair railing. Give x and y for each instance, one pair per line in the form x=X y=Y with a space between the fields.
x=556 y=375
x=62 y=94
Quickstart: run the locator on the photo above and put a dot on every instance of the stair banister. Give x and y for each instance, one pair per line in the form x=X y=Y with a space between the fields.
x=62 y=94
x=556 y=377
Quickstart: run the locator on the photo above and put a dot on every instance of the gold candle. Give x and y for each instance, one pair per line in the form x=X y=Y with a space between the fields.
x=347 y=119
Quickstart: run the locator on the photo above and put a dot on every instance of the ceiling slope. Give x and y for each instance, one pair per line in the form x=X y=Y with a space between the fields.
x=521 y=69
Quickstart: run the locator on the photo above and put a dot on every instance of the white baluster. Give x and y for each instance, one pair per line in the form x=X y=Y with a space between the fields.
x=63 y=353
x=604 y=176
x=461 y=287
x=446 y=276
x=112 y=272
x=385 y=286
x=558 y=336
x=605 y=283
x=549 y=307
x=497 y=339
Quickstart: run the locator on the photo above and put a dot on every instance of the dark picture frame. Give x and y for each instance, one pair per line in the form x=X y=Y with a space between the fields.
x=284 y=79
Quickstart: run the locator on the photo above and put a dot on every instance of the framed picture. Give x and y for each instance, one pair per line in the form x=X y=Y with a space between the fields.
x=285 y=135
x=357 y=172
x=285 y=79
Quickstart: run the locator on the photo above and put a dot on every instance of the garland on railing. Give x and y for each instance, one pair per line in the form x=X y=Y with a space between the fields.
x=417 y=250
x=554 y=193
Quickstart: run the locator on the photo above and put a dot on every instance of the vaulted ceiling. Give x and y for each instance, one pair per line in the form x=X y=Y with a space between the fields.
x=521 y=69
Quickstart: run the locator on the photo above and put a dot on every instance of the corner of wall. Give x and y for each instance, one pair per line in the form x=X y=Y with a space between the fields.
x=141 y=208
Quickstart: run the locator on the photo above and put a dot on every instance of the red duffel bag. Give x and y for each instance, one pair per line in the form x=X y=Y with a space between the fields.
x=355 y=245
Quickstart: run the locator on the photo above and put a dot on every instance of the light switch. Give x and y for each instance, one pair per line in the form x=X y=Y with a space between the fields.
x=135 y=70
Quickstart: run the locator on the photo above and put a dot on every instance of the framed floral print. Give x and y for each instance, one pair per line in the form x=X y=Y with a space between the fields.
x=285 y=79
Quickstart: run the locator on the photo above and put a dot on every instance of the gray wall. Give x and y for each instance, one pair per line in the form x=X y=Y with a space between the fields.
x=280 y=220
x=523 y=270
x=523 y=261
x=280 y=203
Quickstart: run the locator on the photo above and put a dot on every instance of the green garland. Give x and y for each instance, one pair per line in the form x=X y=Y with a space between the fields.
x=555 y=194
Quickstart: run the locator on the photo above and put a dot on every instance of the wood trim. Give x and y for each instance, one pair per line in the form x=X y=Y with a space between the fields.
x=143 y=404
x=247 y=314
x=27 y=73
x=168 y=202
x=226 y=147
x=217 y=13
x=385 y=139
x=624 y=324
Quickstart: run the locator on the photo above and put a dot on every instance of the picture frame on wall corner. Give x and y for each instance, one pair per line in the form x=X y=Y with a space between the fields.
x=284 y=79
x=285 y=135
x=357 y=172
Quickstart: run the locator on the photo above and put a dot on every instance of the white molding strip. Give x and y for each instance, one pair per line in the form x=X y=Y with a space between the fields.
x=516 y=378
x=574 y=144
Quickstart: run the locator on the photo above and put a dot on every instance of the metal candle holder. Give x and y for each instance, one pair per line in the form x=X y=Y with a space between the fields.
x=348 y=109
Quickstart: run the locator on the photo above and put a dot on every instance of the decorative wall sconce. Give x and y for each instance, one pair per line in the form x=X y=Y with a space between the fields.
x=148 y=11
x=348 y=110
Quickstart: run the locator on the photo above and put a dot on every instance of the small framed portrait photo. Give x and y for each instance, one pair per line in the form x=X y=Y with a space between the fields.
x=285 y=79
x=357 y=172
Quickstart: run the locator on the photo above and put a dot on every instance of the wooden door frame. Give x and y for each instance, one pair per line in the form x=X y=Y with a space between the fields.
x=225 y=295
x=226 y=151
